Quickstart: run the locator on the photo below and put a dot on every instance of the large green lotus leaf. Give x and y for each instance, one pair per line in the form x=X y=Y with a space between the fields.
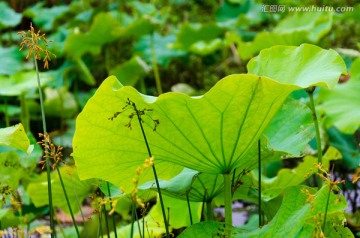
x=163 y=52
x=211 y=133
x=8 y=17
x=76 y=190
x=295 y=217
x=272 y=187
x=309 y=65
x=316 y=24
x=15 y=136
x=293 y=135
x=21 y=82
x=104 y=24
x=10 y=60
x=177 y=212
x=342 y=104
x=131 y=71
x=60 y=102
x=200 y=39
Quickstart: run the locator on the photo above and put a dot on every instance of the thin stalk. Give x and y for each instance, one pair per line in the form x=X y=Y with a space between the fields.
x=113 y=215
x=87 y=76
x=188 y=204
x=106 y=221
x=68 y=202
x=155 y=66
x=203 y=207
x=326 y=209
x=24 y=114
x=209 y=211
x=60 y=226
x=100 y=224
x=132 y=219
x=138 y=223
x=7 y=121
x=81 y=212
x=259 y=179
x=233 y=183
x=228 y=204
x=143 y=223
x=155 y=175
x=317 y=133
x=52 y=225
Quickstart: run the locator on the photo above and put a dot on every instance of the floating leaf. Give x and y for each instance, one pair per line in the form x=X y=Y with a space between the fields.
x=15 y=136
x=310 y=65
x=212 y=132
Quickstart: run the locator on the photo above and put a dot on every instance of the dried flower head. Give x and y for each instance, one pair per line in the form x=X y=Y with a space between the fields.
x=51 y=151
x=37 y=44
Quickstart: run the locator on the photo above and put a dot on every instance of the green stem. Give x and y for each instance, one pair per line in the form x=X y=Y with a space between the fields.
x=113 y=215
x=7 y=121
x=100 y=233
x=155 y=175
x=24 y=114
x=155 y=66
x=81 y=212
x=317 y=133
x=188 y=204
x=52 y=225
x=228 y=204
x=132 y=219
x=106 y=221
x=326 y=209
x=87 y=76
x=138 y=223
x=209 y=211
x=259 y=180
x=68 y=202
x=203 y=207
